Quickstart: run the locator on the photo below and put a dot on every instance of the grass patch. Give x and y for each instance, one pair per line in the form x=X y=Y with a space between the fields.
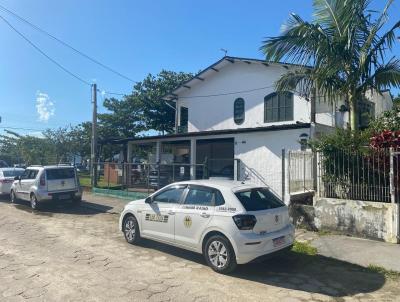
x=304 y=248
x=389 y=274
x=84 y=179
x=324 y=232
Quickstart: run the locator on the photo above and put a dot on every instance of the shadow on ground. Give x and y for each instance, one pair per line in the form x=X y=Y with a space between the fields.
x=61 y=207
x=290 y=270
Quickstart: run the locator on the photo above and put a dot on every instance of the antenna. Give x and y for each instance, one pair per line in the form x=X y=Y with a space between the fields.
x=225 y=51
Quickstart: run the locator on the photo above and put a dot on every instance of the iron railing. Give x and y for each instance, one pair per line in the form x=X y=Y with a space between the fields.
x=370 y=175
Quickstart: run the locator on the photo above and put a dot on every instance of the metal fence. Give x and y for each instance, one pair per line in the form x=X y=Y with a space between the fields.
x=301 y=172
x=370 y=175
x=149 y=177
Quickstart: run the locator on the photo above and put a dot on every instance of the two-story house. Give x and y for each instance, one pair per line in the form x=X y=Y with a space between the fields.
x=230 y=117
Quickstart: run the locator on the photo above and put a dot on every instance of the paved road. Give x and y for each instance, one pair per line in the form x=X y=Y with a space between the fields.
x=68 y=253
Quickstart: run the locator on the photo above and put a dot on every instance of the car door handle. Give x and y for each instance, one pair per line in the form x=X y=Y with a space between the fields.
x=171 y=213
x=205 y=215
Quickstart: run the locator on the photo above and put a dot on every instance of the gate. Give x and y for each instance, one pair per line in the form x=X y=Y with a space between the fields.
x=301 y=171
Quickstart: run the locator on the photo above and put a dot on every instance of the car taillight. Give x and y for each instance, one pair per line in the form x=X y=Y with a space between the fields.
x=245 y=222
x=42 y=180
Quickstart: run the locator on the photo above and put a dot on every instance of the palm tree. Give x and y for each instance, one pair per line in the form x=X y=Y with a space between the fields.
x=342 y=53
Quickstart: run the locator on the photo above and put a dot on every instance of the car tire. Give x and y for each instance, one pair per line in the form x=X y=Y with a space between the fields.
x=34 y=202
x=130 y=227
x=219 y=254
x=13 y=197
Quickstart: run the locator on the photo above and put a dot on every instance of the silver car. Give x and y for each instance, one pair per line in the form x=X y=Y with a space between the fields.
x=7 y=176
x=47 y=183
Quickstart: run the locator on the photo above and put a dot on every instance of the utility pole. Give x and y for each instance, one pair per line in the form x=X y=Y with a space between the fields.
x=93 y=157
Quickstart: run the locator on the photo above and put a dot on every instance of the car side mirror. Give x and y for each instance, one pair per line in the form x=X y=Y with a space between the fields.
x=148 y=200
x=17 y=178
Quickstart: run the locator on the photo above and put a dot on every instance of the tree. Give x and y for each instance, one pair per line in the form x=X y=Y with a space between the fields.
x=26 y=149
x=346 y=48
x=396 y=101
x=144 y=109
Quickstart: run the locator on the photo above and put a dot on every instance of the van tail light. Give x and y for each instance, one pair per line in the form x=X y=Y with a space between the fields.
x=42 y=180
x=245 y=222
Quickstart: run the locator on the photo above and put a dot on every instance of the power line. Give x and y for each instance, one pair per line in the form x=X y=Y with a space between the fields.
x=44 y=54
x=67 y=45
x=20 y=128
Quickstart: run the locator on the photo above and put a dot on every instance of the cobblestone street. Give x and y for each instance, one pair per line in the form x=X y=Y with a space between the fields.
x=67 y=253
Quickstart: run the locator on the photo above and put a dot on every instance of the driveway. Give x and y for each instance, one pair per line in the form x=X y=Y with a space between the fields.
x=76 y=253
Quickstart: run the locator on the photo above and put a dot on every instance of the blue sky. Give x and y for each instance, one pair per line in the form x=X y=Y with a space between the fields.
x=133 y=37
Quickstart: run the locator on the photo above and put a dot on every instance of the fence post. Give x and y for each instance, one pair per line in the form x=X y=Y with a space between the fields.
x=391 y=175
x=315 y=171
x=108 y=175
x=283 y=174
x=289 y=168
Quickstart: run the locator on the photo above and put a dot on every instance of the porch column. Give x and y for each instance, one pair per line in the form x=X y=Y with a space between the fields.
x=192 y=158
x=126 y=171
x=129 y=152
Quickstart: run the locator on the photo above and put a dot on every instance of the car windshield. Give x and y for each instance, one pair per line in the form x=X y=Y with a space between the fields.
x=12 y=173
x=258 y=199
x=54 y=174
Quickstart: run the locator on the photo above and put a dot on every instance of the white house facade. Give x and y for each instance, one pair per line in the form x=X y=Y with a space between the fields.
x=230 y=116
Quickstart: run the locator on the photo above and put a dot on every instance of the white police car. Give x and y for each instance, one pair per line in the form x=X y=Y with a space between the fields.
x=228 y=222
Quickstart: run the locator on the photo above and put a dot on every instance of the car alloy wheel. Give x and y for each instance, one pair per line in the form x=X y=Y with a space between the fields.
x=218 y=254
x=34 y=202
x=131 y=230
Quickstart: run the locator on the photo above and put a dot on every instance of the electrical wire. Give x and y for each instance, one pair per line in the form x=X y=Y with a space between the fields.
x=20 y=128
x=43 y=53
x=67 y=45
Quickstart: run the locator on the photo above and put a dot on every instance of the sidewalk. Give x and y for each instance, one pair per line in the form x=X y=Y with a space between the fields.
x=359 y=251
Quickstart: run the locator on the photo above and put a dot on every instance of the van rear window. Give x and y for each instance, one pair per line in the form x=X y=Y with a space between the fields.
x=259 y=199
x=54 y=174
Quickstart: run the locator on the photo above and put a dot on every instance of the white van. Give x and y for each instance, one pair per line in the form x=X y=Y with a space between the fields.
x=46 y=183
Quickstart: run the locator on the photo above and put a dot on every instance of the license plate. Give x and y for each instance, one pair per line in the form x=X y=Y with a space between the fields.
x=64 y=196
x=278 y=241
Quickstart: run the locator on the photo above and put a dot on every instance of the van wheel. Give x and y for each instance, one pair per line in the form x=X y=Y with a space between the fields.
x=131 y=230
x=13 y=198
x=219 y=254
x=34 y=202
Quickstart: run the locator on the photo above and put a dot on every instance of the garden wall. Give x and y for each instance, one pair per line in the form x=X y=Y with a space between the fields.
x=374 y=220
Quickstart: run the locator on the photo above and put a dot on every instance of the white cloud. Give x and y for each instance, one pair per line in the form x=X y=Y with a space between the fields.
x=44 y=106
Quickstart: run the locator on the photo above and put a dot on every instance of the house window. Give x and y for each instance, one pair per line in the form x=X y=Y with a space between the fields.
x=278 y=107
x=238 y=111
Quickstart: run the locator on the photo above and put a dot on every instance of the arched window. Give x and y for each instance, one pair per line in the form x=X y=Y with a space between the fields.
x=278 y=107
x=238 y=111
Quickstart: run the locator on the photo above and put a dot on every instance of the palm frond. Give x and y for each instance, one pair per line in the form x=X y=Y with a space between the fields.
x=385 y=76
x=299 y=42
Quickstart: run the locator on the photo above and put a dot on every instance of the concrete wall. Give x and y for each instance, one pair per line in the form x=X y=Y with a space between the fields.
x=261 y=152
x=361 y=218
